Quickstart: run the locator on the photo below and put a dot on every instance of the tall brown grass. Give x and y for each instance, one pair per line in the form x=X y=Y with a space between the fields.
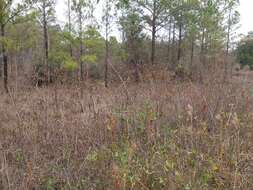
x=161 y=133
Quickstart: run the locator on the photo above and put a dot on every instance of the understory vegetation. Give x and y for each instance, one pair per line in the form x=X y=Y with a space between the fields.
x=125 y=95
x=160 y=134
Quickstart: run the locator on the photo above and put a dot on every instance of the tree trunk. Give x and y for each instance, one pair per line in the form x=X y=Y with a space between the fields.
x=70 y=28
x=81 y=45
x=192 y=51
x=173 y=44
x=202 y=44
x=81 y=59
x=228 y=34
x=192 y=55
x=227 y=49
x=5 y=60
x=202 y=55
x=153 y=47
x=106 y=62
x=106 y=52
x=46 y=45
x=169 y=41
x=179 y=52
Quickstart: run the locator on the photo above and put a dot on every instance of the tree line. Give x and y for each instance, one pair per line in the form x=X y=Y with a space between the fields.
x=175 y=32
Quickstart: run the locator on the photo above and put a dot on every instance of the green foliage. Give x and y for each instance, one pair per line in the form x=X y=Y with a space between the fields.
x=7 y=42
x=119 y=54
x=10 y=10
x=62 y=59
x=20 y=157
x=245 y=51
x=50 y=185
x=91 y=59
x=57 y=58
x=49 y=7
x=70 y=65
x=138 y=157
x=94 y=42
x=132 y=25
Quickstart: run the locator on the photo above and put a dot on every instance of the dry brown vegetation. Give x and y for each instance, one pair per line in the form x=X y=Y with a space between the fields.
x=159 y=134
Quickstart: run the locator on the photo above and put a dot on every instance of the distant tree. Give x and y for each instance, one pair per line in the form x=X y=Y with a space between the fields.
x=94 y=46
x=131 y=24
x=83 y=9
x=46 y=15
x=107 y=21
x=22 y=35
x=69 y=13
x=155 y=14
x=232 y=17
x=8 y=12
x=245 y=51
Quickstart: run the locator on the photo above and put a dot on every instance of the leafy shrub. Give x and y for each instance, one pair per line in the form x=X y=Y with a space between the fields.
x=245 y=52
x=95 y=71
x=90 y=59
x=70 y=65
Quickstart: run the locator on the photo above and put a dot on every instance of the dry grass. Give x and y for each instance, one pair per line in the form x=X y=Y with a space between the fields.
x=158 y=134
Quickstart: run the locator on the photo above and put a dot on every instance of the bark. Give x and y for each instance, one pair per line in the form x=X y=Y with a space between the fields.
x=179 y=52
x=169 y=41
x=106 y=62
x=202 y=55
x=106 y=52
x=202 y=43
x=81 y=45
x=173 y=44
x=70 y=28
x=46 y=44
x=228 y=33
x=153 y=46
x=5 y=60
x=192 y=51
x=136 y=69
x=227 y=49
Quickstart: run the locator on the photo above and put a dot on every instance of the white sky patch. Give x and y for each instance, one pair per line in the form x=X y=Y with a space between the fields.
x=245 y=9
x=61 y=14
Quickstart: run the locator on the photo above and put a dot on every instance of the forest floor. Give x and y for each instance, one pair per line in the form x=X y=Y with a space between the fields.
x=158 y=134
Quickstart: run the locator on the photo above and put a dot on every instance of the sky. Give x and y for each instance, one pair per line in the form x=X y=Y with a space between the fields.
x=245 y=9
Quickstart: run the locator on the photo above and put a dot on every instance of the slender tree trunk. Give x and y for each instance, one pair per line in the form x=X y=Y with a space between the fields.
x=192 y=51
x=70 y=28
x=106 y=62
x=173 y=44
x=81 y=44
x=228 y=33
x=192 y=55
x=5 y=60
x=202 y=43
x=179 y=52
x=81 y=60
x=136 y=68
x=16 y=70
x=227 y=49
x=202 y=55
x=46 y=45
x=169 y=41
x=153 y=48
x=153 y=45
x=106 y=49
